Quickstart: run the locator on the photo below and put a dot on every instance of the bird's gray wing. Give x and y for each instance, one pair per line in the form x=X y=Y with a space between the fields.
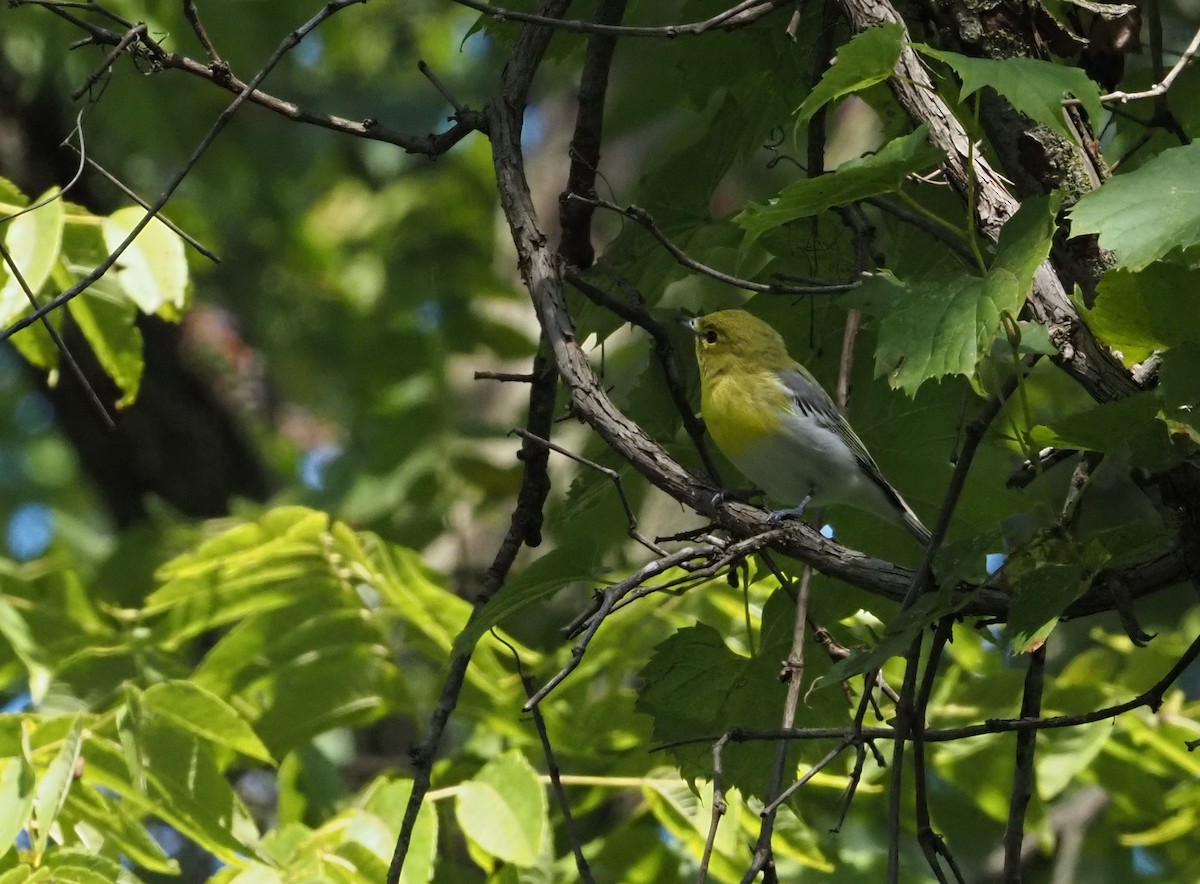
x=812 y=401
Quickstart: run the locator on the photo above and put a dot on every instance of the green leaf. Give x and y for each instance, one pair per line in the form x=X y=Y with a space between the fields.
x=153 y=269
x=1143 y=215
x=1131 y=423
x=16 y=798
x=34 y=240
x=503 y=809
x=204 y=714
x=881 y=172
x=1034 y=87
x=123 y=833
x=388 y=799
x=109 y=329
x=1138 y=313
x=186 y=789
x=869 y=58
x=1041 y=596
x=943 y=325
x=54 y=786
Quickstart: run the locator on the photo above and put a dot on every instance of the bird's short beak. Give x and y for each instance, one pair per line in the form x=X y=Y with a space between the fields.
x=690 y=324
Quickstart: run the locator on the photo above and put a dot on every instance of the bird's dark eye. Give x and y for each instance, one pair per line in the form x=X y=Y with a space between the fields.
x=710 y=337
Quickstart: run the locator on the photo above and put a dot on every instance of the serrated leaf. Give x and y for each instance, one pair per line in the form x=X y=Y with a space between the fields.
x=943 y=326
x=881 y=172
x=869 y=58
x=1034 y=87
x=194 y=709
x=34 y=240
x=152 y=271
x=1146 y=213
x=1138 y=313
x=503 y=809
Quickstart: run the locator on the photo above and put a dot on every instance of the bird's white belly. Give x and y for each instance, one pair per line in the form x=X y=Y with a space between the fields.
x=806 y=459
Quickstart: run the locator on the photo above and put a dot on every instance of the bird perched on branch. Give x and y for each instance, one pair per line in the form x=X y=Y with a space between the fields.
x=777 y=425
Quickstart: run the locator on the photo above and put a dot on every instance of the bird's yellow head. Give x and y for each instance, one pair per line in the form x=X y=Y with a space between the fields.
x=733 y=340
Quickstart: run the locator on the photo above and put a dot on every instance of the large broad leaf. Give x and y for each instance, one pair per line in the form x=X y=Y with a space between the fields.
x=503 y=809
x=1034 y=87
x=880 y=172
x=153 y=269
x=867 y=59
x=1147 y=213
x=1138 y=313
x=1131 y=424
x=944 y=325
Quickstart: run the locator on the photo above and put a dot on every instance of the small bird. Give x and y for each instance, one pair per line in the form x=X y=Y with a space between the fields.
x=772 y=419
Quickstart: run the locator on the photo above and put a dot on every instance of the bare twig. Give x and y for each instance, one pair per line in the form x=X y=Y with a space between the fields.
x=1023 y=769
x=59 y=343
x=646 y=220
x=556 y=786
x=131 y=36
x=603 y=470
x=794 y=669
x=575 y=218
x=737 y=16
x=219 y=74
x=133 y=195
x=193 y=17
x=1161 y=87
x=718 y=806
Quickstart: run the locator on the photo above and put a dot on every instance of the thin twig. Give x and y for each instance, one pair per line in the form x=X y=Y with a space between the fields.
x=131 y=36
x=556 y=786
x=737 y=16
x=646 y=220
x=129 y=192
x=1161 y=87
x=1023 y=768
x=664 y=350
x=794 y=668
x=630 y=516
x=718 y=806
x=193 y=17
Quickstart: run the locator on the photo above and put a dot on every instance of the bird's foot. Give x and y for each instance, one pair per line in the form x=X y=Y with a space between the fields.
x=794 y=512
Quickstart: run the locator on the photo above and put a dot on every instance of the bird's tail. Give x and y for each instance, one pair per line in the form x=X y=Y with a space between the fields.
x=904 y=514
x=914 y=525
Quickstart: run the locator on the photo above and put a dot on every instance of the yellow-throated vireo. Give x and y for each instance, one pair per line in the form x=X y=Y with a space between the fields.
x=772 y=419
